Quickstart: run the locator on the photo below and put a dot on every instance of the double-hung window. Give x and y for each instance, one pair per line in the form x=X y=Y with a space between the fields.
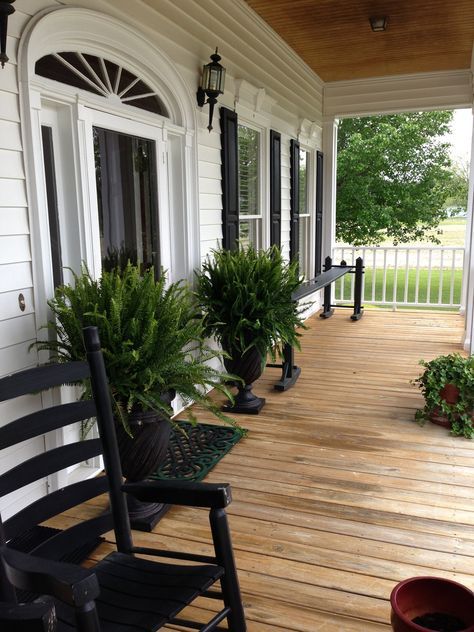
x=250 y=194
x=243 y=189
x=304 y=215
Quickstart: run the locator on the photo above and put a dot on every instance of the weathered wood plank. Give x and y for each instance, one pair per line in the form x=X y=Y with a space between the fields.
x=338 y=495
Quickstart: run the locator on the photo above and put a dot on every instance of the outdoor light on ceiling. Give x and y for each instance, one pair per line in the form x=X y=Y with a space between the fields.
x=6 y=9
x=212 y=85
x=378 y=24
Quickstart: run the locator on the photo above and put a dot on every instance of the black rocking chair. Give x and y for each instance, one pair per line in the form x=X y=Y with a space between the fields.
x=123 y=592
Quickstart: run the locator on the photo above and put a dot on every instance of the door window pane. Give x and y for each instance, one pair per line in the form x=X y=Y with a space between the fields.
x=52 y=199
x=127 y=199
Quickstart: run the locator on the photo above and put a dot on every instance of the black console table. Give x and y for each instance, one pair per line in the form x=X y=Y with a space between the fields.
x=291 y=372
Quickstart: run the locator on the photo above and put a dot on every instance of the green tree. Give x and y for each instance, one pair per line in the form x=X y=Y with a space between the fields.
x=456 y=201
x=393 y=177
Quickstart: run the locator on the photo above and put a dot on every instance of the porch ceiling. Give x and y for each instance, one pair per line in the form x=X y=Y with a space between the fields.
x=335 y=39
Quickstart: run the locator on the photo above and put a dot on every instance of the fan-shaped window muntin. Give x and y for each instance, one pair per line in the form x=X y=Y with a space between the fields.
x=101 y=77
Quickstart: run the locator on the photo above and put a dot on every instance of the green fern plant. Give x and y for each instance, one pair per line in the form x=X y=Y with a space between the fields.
x=246 y=298
x=151 y=337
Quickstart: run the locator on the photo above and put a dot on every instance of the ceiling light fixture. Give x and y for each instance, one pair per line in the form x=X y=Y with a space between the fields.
x=378 y=24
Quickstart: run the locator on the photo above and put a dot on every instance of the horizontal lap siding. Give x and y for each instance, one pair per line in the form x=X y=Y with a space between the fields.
x=210 y=189
x=17 y=328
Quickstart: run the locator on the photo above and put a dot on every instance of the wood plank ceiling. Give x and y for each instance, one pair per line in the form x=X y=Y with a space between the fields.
x=335 y=39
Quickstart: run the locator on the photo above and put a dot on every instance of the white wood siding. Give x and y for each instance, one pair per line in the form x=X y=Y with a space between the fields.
x=210 y=189
x=17 y=328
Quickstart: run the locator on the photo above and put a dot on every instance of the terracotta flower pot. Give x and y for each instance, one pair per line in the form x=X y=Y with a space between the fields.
x=439 y=418
x=450 y=394
x=421 y=601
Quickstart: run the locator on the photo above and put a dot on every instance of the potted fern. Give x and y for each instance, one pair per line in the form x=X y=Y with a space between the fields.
x=246 y=299
x=153 y=349
x=447 y=384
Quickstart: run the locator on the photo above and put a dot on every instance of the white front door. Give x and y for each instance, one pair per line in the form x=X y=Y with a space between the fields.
x=105 y=182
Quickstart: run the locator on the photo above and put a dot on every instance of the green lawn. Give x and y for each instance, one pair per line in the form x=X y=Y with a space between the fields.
x=423 y=286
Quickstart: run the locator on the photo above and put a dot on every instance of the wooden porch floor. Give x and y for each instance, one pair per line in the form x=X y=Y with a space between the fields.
x=338 y=494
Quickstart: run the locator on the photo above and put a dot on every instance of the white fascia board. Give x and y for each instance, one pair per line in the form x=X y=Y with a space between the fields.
x=401 y=93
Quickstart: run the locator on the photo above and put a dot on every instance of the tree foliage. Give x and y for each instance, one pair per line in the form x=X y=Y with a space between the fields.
x=393 y=177
x=456 y=202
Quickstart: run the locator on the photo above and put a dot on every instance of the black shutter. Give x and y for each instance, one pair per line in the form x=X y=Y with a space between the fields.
x=275 y=188
x=294 y=199
x=318 y=255
x=230 y=179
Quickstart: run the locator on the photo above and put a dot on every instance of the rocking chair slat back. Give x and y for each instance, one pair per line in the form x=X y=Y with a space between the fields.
x=55 y=503
x=61 y=545
x=123 y=592
x=43 y=377
x=45 y=420
x=45 y=464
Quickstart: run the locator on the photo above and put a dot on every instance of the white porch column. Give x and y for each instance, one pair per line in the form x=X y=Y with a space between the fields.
x=329 y=184
x=468 y=273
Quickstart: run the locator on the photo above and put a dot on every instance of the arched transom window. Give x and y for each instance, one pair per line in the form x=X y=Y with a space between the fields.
x=102 y=77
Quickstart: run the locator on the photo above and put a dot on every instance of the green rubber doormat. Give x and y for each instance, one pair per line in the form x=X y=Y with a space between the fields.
x=194 y=452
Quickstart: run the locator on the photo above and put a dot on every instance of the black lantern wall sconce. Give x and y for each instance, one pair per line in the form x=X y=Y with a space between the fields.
x=6 y=9
x=212 y=85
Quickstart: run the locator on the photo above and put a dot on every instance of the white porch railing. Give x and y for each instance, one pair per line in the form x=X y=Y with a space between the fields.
x=417 y=276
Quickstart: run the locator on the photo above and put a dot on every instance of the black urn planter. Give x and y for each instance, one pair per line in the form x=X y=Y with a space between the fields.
x=140 y=456
x=249 y=368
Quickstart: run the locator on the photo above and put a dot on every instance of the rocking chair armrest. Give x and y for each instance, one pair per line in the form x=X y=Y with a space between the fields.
x=69 y=583
x=212 y=495
x=37 y=616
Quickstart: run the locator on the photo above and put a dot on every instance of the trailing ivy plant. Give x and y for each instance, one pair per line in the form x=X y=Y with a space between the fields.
x=448 y=369
x=246 y=298
x=151 y=337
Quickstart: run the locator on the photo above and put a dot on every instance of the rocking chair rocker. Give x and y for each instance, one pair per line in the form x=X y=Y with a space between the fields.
x=124 y=592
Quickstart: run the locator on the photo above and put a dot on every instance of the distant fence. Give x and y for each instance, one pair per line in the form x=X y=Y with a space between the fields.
x=412 y=276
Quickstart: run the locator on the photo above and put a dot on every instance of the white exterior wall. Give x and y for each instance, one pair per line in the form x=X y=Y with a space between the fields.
x=186 y=32
x=17 y=328
x=265 y=81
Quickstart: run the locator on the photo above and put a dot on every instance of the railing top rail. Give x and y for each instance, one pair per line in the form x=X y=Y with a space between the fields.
x=339 y=247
